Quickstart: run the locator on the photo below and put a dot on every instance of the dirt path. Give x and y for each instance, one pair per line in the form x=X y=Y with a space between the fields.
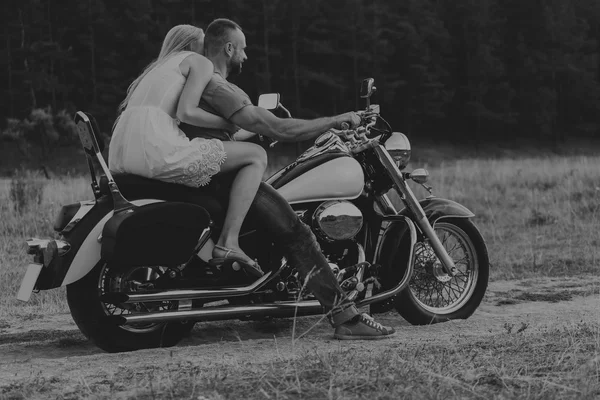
x=51 y=347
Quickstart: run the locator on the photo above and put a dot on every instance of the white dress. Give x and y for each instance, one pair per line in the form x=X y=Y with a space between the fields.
x=147 y=140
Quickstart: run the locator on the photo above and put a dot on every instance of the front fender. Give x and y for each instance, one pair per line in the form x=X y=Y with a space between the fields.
x=437 y=208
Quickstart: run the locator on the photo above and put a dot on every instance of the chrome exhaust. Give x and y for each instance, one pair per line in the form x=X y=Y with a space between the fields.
x=190 y=294
x=282 y=309
x=218 y=313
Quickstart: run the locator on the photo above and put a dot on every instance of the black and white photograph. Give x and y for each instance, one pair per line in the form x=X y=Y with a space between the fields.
x=300 y=199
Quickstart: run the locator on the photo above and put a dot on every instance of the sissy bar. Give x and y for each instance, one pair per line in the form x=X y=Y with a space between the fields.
x=88 y=134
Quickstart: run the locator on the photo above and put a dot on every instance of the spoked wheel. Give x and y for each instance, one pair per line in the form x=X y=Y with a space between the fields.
x=433 y=296
x=90 y=312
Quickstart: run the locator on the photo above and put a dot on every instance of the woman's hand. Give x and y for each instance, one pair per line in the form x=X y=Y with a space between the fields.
x=231 y=128
x=243 y=134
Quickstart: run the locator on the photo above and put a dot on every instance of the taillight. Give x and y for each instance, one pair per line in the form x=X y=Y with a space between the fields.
x=65 y=215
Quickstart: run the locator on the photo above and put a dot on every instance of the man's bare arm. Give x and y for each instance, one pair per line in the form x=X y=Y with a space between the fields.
x=261 y=121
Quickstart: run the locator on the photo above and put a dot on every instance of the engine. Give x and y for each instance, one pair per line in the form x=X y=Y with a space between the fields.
x=337 y=220
x=335 y=223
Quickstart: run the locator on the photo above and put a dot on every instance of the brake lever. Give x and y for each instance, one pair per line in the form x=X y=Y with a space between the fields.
x=361 y=132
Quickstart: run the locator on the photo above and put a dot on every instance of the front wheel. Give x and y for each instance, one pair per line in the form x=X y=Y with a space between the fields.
x=433 y=296
x=89 y=311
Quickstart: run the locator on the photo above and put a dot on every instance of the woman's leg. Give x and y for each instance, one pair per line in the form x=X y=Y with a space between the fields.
x=250 y=160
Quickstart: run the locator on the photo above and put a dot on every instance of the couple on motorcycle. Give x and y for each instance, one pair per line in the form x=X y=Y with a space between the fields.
x=180 y=122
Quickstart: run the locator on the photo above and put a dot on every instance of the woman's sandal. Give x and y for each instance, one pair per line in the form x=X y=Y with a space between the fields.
x=234 y=256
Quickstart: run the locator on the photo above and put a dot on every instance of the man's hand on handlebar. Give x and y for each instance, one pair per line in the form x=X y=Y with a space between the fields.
x=348 y=120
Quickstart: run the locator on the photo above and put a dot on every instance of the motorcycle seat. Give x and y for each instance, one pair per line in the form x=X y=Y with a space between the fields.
x=135 y=187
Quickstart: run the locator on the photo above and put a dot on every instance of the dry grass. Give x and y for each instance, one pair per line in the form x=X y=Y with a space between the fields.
x=539 y=217
x=545 y=364
x=32 y=220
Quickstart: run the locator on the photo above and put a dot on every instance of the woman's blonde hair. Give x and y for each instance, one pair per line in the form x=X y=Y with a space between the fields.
x=179 y=38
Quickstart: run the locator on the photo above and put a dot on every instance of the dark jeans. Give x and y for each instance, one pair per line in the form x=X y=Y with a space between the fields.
x=300 y=248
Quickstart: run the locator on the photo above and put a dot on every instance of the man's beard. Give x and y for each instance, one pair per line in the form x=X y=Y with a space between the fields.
x=235 y=68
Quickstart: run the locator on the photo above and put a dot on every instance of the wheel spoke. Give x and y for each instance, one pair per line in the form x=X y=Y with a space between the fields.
x=427 y=285
x=450 y=251
x=126 y=282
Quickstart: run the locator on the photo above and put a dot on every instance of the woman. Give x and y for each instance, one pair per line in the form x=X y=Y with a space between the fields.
x=147 y=141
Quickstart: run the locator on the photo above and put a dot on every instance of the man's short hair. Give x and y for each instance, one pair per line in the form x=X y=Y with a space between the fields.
x=217 y=34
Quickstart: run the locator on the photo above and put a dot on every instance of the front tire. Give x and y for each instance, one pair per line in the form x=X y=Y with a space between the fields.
x=89 y=313
x=432 y=296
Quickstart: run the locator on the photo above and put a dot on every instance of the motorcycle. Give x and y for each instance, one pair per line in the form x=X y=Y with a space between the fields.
x=134 y=259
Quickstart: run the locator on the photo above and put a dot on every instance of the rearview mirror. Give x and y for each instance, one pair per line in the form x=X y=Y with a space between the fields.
x=367 y=88
x=269 y=101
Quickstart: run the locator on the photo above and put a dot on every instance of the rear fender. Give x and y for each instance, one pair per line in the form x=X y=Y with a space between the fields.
x=88 y=254
x=74 y=234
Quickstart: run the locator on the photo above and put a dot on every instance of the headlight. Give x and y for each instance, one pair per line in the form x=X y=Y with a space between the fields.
x=401 y=157
x=398 y=146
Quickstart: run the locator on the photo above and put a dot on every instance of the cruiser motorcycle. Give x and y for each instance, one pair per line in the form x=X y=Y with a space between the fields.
x=134 y=259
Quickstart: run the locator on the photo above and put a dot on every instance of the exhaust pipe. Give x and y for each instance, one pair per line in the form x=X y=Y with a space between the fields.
x=218 y=313
x=191 y=294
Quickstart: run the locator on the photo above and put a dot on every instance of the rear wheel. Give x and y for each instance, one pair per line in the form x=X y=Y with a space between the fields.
x=90 y=312
x=433 y=296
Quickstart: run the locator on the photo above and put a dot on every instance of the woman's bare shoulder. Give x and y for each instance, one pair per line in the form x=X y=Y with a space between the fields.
x=195 y=60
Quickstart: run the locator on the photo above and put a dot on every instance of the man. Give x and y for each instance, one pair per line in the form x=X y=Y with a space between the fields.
x=224 y=45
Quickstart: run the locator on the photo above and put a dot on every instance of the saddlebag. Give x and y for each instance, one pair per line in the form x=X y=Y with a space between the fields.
x=164 y=233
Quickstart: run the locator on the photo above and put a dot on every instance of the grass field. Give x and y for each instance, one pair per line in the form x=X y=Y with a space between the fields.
x=540 y=217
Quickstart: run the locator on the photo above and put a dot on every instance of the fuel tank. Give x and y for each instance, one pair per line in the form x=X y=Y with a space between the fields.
x=329 y=176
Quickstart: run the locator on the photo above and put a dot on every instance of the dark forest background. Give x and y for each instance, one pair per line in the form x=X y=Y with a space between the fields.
x=467 y=70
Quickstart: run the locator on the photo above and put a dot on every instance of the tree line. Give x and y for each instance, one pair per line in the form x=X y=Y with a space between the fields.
x=469 y=70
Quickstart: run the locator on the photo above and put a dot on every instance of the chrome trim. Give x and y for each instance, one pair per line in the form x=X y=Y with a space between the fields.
x=334 y=144
x=386 y=205
x=301 y=213
x=90 y=146
x=94 y=147
x=362 y=257
x=352 y=294
x=419 y=175
x=342 y=221
x=84 y=207
x=189 y=294
x=204 y=237
x=407 y=275
x=35 y=245
x=283 y=309
x=398 y=141
x=184 y=305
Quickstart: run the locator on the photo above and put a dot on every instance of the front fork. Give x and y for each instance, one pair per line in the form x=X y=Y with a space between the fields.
x=417 y=211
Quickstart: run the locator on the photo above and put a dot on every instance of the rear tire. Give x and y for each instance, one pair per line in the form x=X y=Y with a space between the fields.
x=423 y=301
x=90 y=315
